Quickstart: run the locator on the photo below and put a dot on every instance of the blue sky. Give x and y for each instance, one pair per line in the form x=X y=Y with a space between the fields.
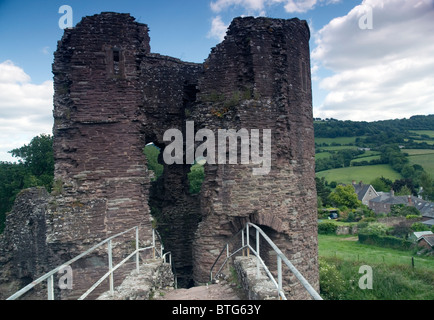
x=383 y=72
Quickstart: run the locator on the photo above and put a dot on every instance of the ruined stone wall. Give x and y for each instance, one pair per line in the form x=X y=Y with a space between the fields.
x=23 y=251
x=262 y=69
x=113 y=96
x=99 y=166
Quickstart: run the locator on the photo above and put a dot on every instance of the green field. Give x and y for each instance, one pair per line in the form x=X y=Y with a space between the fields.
x=337 y=148
x=429 y=133
x=365 y=159
x=422 y=157
x=363 y=173
x=339 y=140
x=322 y=155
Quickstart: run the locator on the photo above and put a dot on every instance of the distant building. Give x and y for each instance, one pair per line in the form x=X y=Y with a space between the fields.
x=385 y=200
x=365 y=192
x=416 y=236
x=426 y=241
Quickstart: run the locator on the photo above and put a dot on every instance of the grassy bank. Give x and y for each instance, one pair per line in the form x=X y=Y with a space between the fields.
x=393 y=274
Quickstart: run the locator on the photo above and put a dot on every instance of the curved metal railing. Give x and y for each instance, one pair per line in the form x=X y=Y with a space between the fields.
x=49 y=276
x=245 y=244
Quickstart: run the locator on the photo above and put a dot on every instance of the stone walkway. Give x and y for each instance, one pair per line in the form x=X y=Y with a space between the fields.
x=220 y=291
x=155 y=282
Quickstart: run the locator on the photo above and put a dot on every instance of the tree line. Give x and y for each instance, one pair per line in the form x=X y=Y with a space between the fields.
x=392 y=130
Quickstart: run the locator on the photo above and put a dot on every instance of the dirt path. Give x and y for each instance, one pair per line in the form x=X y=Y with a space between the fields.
x=223 y=291
x=350 y=239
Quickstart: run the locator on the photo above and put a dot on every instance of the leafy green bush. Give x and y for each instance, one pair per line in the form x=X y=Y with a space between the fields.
x=376 y=228
x=419 y=226
x=332 y=284
x=401 y=210
x=412 y=216
x=327 y=228
x=151 y=151
x=384 y=241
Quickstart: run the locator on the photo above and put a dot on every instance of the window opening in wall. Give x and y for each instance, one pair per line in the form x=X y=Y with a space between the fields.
x=116 y=60
x=196 y=176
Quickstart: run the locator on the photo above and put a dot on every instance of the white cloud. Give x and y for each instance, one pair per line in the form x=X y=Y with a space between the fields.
x=249 y=5
x=218 y=29
x=46 y=50
x=299 y=5
x=259 y=6
x=25 y=108
x=380 y=73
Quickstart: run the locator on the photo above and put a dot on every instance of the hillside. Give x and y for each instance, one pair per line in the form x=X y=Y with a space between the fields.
x=400 y=149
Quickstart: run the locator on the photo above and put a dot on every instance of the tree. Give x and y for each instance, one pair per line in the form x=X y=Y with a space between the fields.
x=322 y=190
x=38 y=160
x=427 y=184
x=400 y=183
x=195 y=177
x=381 y=185
x=345 y=196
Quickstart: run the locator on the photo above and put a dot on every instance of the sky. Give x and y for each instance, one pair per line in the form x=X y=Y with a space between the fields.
x=370 y=59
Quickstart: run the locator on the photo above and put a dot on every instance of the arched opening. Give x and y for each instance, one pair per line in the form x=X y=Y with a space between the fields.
x=174 y=206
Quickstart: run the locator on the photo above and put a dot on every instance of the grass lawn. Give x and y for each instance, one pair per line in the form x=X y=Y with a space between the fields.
x=363 y=173
x=393 y=277
x=348 y=248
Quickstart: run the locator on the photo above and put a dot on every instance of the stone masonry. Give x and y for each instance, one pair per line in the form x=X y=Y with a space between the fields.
x=113 y=96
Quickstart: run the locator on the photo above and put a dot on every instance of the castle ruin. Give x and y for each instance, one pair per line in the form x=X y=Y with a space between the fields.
x=113 y=96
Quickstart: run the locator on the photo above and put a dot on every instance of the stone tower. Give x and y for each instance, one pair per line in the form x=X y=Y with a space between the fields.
x=113 y=96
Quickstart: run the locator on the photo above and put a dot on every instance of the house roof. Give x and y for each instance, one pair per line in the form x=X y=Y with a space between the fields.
x=361 y=189
x=420 y=234
x=426 y=208
x=429 y=222
x=429 y=238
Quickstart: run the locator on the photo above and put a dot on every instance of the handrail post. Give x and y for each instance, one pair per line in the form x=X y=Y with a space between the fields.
x=153 y=243
x=247 y=236
x=279 y=275
x=227 y=254
x=242 y=240
x=110 y=261
x=257 y=253
x=137 y=249
x=50 y=288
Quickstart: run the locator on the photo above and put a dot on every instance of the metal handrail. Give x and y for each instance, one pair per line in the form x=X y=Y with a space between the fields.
x=225 y=247
x=49 y=276
x=280 y=257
